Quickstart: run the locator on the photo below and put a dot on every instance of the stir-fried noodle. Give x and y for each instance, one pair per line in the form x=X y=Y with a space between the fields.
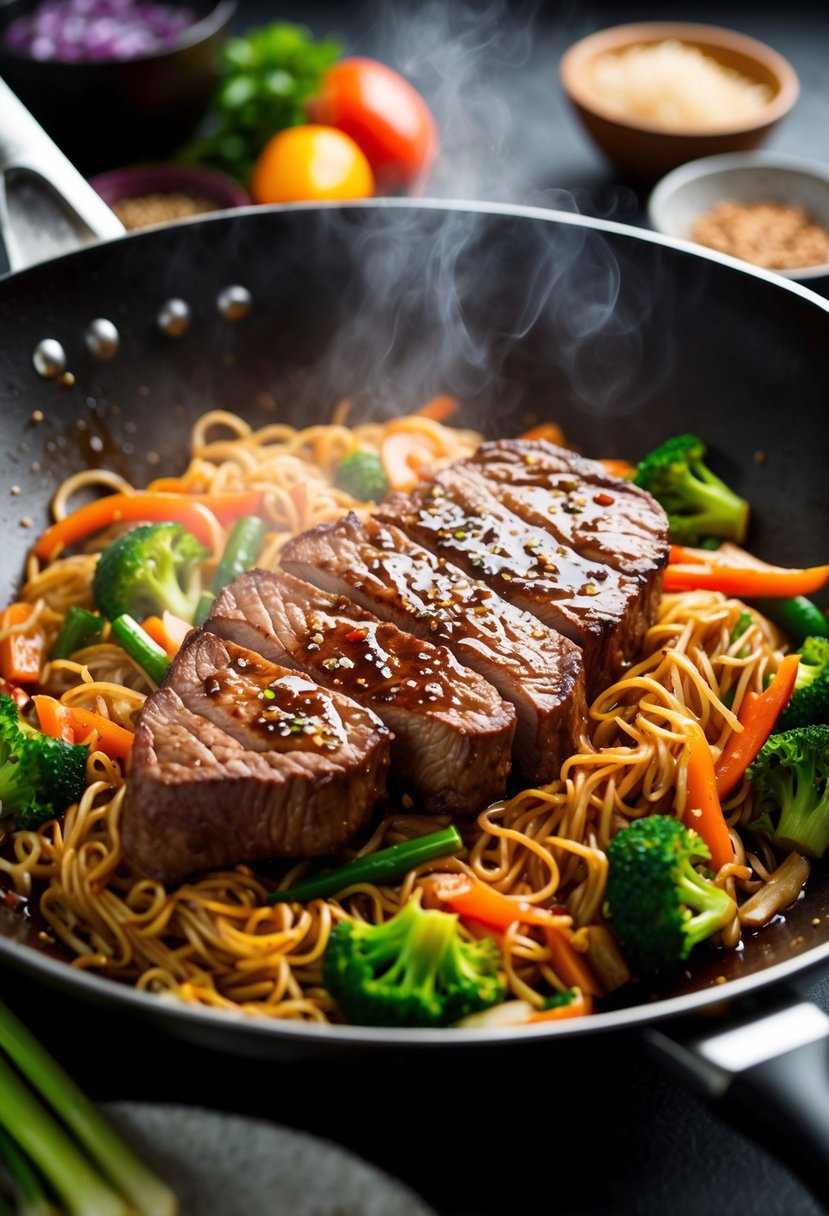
x=214 y=940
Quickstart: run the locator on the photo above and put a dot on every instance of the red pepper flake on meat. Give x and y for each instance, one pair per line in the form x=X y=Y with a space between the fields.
x=604 y=500
x=356 y=635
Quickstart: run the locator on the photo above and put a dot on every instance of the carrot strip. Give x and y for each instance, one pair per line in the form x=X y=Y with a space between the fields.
x=757 y=717
x=703 y=569
x=581 y=1007
x=469 y=896
x=618 y=468
x=703 y=812
x=571 y=966
x=406 y=457
x=61 y=720
x=156 y=629
x=550 y=431
x=21 y=653
x=439 y=408
x=190 y=510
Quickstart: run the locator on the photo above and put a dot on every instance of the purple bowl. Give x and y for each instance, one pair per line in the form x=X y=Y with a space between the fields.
x=135 y=180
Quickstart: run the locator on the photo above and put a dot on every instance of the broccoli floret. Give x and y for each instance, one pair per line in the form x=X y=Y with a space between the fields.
x=791 y=780
x=414 y=970
x=361 y=475
x=39 y=776
x=149 y=569
x=656 y=900
x=697 y=503
x=809 y=702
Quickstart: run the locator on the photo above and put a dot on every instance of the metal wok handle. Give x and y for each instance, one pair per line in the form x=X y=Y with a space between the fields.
x=46 y=206
x=768 y=1072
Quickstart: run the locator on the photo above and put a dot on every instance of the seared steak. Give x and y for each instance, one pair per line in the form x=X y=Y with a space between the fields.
x=236 y=759
x=536 y=669
x=576 y=501
x=604 y=611
x=452 y=733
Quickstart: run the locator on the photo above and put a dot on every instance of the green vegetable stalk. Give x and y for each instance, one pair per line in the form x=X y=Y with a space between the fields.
x=241 y=551
x=123 y=1186
x=383 y=866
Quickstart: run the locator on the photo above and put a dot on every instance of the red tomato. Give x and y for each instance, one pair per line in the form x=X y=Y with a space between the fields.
x=382 y=113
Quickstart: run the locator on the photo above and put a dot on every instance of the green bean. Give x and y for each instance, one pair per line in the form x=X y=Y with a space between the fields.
x=382 y=867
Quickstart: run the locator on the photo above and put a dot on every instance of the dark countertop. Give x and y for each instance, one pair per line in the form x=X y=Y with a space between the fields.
x=600 y=1129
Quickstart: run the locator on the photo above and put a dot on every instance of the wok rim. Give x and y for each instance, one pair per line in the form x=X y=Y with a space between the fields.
x=228 y=1024
x=473 y=206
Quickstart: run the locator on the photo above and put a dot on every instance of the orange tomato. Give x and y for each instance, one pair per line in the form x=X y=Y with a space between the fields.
x=310 y=162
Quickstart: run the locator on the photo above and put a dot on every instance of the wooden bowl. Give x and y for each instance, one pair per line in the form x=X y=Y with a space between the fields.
x=643 y=150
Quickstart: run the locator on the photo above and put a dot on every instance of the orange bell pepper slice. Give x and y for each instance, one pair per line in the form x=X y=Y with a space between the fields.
x=75 y=725
x=22 y=653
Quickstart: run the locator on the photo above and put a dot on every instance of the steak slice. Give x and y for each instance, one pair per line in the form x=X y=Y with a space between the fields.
x=452 y=733
x=604 y=611
x=236 y=759
x=539 y=671
x=602 y=517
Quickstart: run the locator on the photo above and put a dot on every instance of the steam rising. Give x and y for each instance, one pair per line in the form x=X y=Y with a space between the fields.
x=453 y=306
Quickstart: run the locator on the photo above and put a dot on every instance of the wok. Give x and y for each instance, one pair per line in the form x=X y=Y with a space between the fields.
x=621 y=336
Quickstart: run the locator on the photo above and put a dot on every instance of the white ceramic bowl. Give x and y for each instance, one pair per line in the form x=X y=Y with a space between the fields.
x=692 y=189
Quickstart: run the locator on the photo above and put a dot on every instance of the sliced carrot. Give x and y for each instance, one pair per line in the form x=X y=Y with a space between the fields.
x=407 y=457
x=84 y=726
x=703 y=812
x=439 y=408
x=21 y=653
x=193 y=511
x=570 y=965
x=469 y=896
x=580 y=1007
x=550 y=431
x=618 y=468
x=733 y=573
x=757 y=716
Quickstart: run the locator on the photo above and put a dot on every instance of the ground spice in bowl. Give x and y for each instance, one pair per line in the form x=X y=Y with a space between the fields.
x=161 y=207
x=774 y=235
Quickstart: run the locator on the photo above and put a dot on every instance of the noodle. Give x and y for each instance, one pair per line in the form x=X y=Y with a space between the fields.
x=214 y=941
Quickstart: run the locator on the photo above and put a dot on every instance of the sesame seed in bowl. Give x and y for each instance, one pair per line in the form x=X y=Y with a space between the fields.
x=766 y=208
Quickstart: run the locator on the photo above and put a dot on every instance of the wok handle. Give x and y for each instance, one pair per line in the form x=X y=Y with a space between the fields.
x=46 y=207
x=768 y=1072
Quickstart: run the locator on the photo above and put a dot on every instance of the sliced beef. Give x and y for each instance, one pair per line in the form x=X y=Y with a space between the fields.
x=236 y=759
x=577 y=501
x=539 y=671
x=603 y=610
x=452 y=732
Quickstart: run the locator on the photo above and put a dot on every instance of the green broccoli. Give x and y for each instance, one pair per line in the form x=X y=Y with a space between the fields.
x=39 y=776
x=697 y=503
x=790 y=775
x=149 y=569
x=657 y=901
x=809 y=702
x=414 y=970
x=361 y=474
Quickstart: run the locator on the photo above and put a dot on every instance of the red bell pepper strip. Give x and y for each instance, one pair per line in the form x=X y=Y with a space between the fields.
x=757 y=716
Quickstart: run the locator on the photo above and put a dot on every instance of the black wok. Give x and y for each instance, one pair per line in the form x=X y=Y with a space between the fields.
x=621 y=337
